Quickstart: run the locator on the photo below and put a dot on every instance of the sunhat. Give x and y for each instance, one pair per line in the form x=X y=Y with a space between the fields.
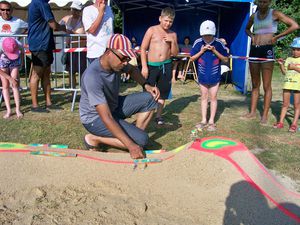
x=122 y=44
x=10 y=48
x=296 y=43
x=76 y=5
x=208 y=28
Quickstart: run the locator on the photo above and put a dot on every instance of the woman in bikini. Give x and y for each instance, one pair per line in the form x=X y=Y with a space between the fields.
x=263 y=38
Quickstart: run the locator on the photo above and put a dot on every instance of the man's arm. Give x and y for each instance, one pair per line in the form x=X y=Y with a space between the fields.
x=174 y=45
x=96 y=24
x=108 y=120
x=55 y=26
x=144 y=47
x=138 y=77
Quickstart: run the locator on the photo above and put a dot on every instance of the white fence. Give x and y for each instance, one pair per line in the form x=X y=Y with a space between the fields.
x=65 y=76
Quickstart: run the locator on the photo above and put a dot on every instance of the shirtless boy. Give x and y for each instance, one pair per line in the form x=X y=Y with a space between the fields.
x=161 y=44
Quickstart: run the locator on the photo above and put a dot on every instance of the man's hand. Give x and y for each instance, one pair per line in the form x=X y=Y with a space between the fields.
x=168 y=38
x=145 y=72
x=101 y=4
x=153 y=91
x=136 y=151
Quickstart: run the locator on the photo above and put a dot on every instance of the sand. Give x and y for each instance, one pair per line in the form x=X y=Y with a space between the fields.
x=192 y=187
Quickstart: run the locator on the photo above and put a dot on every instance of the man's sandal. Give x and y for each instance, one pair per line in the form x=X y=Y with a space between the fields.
x=91 y=147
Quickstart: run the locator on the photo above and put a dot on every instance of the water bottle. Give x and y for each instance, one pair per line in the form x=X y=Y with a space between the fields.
x=194 y=134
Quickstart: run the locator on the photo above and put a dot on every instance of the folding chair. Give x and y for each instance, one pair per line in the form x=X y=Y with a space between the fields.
x=227 y=73
x=190 y=68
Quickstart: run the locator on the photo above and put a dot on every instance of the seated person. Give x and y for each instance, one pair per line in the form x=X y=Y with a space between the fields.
x=179 y=65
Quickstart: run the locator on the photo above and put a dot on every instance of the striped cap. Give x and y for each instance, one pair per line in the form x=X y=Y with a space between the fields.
x=122 y=44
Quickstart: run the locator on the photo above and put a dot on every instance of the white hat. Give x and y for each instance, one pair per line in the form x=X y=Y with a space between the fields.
x=76 y=5
x=208 y=28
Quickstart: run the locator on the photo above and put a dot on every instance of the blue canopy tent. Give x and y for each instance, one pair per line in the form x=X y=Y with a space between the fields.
x=230 y=17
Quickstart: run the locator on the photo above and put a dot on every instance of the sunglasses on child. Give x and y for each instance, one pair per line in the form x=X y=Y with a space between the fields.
x=123 y=59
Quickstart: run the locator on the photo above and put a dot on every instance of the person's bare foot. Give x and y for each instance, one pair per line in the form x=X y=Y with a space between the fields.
x=263 y=121
x=248 y=116
x=7 y=115
x=19 y=115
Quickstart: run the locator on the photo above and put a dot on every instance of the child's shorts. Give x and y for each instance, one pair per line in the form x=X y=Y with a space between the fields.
x=7 y=63
x=160 y=75
x=261 y=51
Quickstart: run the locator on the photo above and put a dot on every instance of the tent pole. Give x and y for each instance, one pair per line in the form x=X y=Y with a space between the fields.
x=219 y=22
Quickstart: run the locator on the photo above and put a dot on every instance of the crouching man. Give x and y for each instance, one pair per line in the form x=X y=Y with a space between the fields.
x=103 y=111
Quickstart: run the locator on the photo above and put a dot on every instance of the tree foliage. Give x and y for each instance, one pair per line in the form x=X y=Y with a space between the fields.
x=290 y=8
x=118 y=21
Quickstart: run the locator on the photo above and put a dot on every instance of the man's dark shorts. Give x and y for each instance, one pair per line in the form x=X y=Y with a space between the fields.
x=128 y=106
x=42 y=58
x=160 y=75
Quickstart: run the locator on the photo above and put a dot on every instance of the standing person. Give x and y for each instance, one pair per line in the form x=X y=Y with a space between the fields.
x=263 y=39
x=98 y=24
x=41 y=44
x=161 y=44
x=10 y=24
x=103 y=111
x=9 y=63
x=291 y=70
x=74 y=25
x=179 y=65
x=208 y=52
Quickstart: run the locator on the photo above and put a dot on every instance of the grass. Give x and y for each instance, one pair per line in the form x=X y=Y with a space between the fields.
x=277 y=149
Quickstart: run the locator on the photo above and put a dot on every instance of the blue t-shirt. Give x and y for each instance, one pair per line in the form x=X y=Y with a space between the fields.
x=40 y=34
x=208 y=64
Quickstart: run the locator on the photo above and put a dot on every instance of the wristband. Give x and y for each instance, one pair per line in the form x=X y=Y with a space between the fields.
x=144 y=84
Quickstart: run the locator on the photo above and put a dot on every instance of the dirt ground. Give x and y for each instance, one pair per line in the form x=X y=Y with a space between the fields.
x=191 y=187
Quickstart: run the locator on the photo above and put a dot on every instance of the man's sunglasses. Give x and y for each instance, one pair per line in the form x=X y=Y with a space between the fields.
x=7 y=10
x=124 y=59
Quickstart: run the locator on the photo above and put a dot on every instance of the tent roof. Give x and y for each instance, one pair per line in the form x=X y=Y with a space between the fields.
x=60 y=3
x=178 y=5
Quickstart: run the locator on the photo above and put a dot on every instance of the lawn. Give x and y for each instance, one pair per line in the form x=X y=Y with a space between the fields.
x=277 y=149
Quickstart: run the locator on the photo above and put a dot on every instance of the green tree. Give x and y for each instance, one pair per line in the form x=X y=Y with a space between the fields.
x=290 y=8
x=118 y=21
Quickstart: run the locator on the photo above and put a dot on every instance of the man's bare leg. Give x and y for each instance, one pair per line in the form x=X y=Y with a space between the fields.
x=143 y=119
x=47 y=85
x=161 y=104
x=94 y=140
x=37 y=73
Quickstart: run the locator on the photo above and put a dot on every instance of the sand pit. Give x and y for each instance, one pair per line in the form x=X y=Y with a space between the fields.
x=187 y=187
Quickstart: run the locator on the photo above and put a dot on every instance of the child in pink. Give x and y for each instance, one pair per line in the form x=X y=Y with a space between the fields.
x=9 y=64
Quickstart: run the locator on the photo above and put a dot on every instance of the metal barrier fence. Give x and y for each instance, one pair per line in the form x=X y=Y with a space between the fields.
x=69 y=63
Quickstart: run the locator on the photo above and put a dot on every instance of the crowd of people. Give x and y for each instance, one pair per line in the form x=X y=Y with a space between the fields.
x=102 y=111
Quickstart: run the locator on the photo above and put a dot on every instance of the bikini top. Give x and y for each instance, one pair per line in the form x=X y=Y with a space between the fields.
x=265 y=26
